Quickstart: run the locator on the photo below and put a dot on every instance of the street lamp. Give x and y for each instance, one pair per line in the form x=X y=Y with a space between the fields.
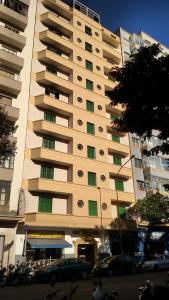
x=117 y=198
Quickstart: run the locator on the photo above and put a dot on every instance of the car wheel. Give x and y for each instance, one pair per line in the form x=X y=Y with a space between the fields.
x=84 y=275
x=109 y=273
x=155 y=268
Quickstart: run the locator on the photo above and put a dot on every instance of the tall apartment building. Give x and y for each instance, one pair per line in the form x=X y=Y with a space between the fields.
x=68 y=157
x=13 y=21
x=149 y=173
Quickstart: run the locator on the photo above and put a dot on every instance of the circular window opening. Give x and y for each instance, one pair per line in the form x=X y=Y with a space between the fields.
x=97 y=50
x=79 y=122
x=79 y=24
x=101 y=152
x=98 y=68
x=99 y=107
x=79 y=99
x=79 y=78
x=80 y=173
x=80 y=146
x=102 y=177
x=79 y=58
x=96 y=33
x=99 y=87
x=101 y=129
x=104 y=206
x=79 y=40
x=80 y=203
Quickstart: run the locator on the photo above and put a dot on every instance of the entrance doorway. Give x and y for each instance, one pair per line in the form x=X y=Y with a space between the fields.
x=87 y=252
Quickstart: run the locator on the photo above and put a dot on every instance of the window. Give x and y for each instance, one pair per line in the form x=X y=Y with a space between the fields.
x=136 y=142
x=47 y=172
x=92 y=208
x=48 y=143
x=7 y=163
x=91 y=152
x=115 y=138
x=138 y=163
x=90 y=128
x=88 y=30
x=122 y=212
x=140 y=185
x=92 y=178
x=51 y=117
x=89 y=85
x=116 y=160
x=88 y=47
x=90 y=106
x=89 y=65
x=5 y=188
x=45 y=204
x=119 y=185
x=113 y=117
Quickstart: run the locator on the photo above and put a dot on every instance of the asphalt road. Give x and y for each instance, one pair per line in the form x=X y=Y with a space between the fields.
x=126 y=286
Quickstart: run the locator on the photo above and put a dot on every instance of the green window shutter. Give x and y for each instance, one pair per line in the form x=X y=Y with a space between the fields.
x=45 y=204
x=90 y=128
x=92 y=178
x=88 y=30
x=90 y=106
x=48 y=143
x=88 y=47
x=117 y=160
x=114 y=117
x=50 y=117
x=92 y=205
x=47 y=172
x=89 y=65
x=115 y=138
x=122 y=212
x=91 y=152
x=89 y=85
x=119 y=185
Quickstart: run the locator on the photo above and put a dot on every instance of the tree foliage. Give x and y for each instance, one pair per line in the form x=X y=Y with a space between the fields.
x=154 y=209
x=142 y=90
x=7 y=128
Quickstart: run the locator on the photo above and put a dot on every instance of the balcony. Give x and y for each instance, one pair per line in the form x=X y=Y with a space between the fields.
x=4 y=209
x=10 y=86
x=58 y=7
x=11 y=61
x=110 y=38
x=112 y=57
x=6 y=174
x=12 y=39
x=51 y=38
x=14 y=17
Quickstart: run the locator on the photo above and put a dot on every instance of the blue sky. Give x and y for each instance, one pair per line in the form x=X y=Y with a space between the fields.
x=151 y=16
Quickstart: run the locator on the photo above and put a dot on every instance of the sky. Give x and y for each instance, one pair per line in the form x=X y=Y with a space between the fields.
x=150 y=16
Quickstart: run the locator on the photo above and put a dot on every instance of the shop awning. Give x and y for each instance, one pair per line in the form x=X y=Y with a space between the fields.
x=48 y=243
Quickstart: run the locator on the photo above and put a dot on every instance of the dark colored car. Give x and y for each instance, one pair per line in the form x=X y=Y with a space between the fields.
x=64 y=269
x=114 y=265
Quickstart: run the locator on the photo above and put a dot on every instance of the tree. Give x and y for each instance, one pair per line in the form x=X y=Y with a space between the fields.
x=154 y=209
x=142 y=90
x=7 y=128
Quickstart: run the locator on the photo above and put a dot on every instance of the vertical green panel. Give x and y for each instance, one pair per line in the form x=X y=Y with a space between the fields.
x=92 y=178
x=114 y=117
x=115 y=138
x=90 y=152
x=45 y=204
x=89 y=85
x=88 y=30
x=90 y=106
x=117 y=160
x=88 y=47
x=90 y=128
x=48 y=143
x=50 y=117
x=119 y=185
x=122 y=212
x=92 y=208
x=47 y=172
x=89 y=65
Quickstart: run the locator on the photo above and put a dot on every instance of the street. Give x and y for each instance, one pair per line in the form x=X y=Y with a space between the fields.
x=126 y=286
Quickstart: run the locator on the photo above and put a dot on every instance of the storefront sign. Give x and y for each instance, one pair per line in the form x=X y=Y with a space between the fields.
x=44 y=235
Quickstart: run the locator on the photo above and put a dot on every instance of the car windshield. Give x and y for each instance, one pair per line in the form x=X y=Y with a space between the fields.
x=56 y=262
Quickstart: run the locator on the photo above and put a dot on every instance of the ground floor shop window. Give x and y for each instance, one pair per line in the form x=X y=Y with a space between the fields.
x=43 y=254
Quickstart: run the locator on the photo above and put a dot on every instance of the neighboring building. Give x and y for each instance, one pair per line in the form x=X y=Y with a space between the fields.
x=72 y=155
x=149 y=173
x=13 y=21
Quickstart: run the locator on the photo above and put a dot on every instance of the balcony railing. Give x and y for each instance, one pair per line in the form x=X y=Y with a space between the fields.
x=15 y=5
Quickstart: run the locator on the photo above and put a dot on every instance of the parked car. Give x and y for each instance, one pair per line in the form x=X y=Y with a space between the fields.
x=155 y=263
x=114 y=265
x=64 y=269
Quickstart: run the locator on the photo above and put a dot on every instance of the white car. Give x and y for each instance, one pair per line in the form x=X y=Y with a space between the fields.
x=156 y=263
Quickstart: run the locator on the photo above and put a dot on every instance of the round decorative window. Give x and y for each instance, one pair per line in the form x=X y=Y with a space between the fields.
x=101 y=152
x=96 y=33
x=80 y=173
x=99 y=87
x=79 y=58
x=79 y=99
x=80 y=203
x=79 y=23
x=98 y=68
x=99 y=107
x=79 y=40
x=79 y=122
x=79 y=78
x=102 y=177
x=80 y=146
x=101 y=129
x=97 y=50
x=104 y=206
